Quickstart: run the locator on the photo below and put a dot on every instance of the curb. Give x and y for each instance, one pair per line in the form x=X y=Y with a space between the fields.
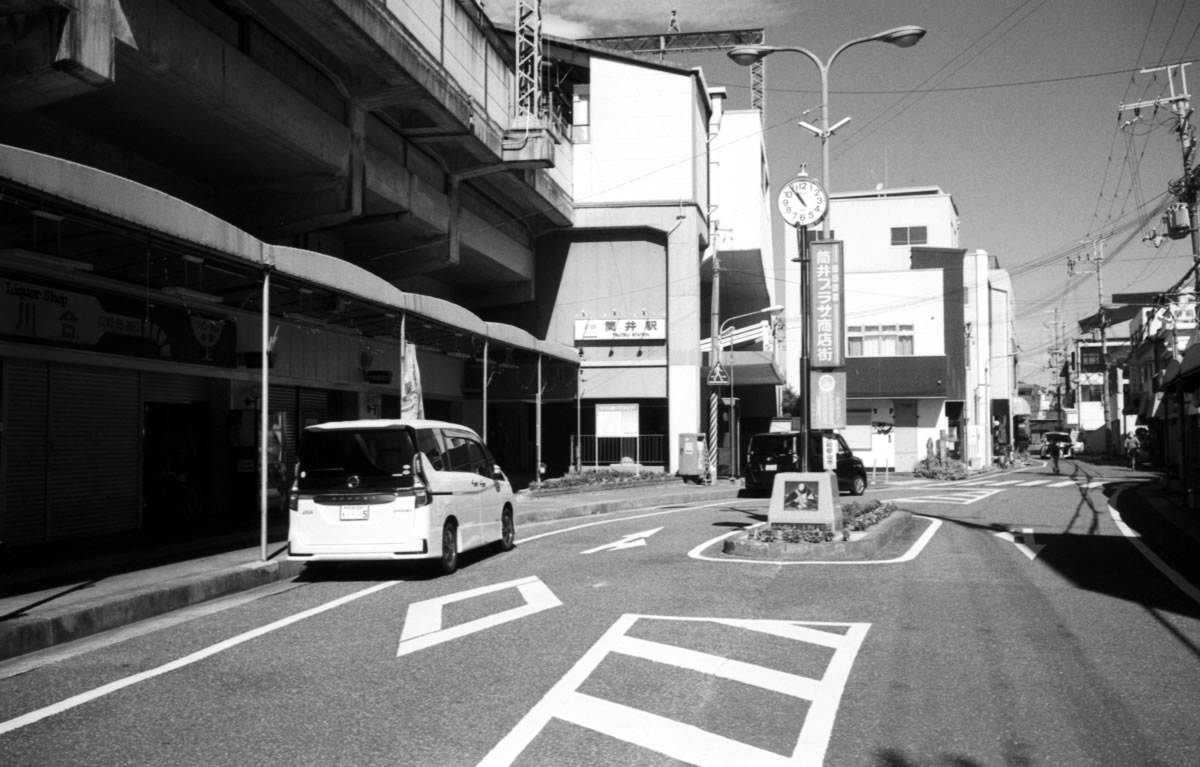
x=22 y=635
x=876 y=538
x=624 y=504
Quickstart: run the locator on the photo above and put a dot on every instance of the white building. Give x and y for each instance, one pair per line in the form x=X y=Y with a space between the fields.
x=929 y=344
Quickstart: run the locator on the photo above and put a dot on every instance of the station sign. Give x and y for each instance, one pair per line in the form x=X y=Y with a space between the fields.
x=621 y=329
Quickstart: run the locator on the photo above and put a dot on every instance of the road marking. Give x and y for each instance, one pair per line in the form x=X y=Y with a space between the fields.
x=1024 y=540
x=685 y=742
x=1064 y=483
x=1003 y=482
x=423 y=621
x=187 y=660
x=1033 y=483
x=1174 y=577
x=630 y=541
x=615 y=520
x=958 y=498
x=913 y=551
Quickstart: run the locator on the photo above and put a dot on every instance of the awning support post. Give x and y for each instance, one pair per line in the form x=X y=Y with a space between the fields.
x=263 y=414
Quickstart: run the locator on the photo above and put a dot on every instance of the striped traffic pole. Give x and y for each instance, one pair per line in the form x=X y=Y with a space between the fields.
x=713 y=400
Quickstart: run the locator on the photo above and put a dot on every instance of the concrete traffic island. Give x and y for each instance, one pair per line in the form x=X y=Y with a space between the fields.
x=876 y=542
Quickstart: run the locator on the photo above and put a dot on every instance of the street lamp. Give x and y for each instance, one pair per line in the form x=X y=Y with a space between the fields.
x=901 y=37
x=734 y=422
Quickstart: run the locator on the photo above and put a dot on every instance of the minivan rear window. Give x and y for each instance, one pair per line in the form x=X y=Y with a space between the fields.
x=364 y=452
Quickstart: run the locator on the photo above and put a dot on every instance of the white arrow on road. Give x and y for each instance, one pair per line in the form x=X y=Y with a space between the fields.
x=1024 y=541
x=630 y=541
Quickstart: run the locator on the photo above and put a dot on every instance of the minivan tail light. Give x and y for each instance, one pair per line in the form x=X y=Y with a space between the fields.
x=421 y=495
x=294 y=497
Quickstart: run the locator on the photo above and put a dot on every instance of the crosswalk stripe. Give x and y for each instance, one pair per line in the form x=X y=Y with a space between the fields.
x=682 y=741
x=677 y=740
x=1064 y=483
x=715 y=665
x=1034 y=483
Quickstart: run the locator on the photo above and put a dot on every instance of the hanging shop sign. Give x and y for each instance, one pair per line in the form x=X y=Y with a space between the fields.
x=828 y=391
x=621 y=329
x=827 y=299
x=44 y=313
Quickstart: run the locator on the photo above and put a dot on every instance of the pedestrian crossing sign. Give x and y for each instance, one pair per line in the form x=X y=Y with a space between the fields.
x=717 y=376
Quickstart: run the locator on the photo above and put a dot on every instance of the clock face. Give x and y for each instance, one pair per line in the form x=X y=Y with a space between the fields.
x=803 y=202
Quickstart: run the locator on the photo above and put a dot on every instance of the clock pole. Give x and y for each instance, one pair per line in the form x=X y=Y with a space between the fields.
x=805 y=318
x=804 y=202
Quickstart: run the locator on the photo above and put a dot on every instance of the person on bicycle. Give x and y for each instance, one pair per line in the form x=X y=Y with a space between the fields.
x=1131 y=449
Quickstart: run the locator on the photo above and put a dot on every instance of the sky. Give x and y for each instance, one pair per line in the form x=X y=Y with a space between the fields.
x=1013 y=107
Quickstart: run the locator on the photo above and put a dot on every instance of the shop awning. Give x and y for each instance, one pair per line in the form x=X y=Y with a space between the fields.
x=1190 y=366
x=132 y=205
x=751 y=368
x=1020 y=406
x=1171 y=374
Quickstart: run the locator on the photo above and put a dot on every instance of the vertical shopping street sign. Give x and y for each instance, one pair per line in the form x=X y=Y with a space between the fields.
x=826 y=297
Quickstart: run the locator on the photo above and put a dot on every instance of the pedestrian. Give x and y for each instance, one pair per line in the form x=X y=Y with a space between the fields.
x=1054 y=450
x=1131 y=449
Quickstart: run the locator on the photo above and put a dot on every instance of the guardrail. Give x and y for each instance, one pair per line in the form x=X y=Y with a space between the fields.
x=643 y=449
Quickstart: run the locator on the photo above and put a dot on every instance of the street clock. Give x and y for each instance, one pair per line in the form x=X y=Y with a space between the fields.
x=803 y=202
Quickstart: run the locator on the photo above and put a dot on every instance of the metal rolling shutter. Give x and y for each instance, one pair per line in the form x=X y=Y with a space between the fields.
x=283 y=400
x=176 y=389
x=94 y=467
x=24 y=492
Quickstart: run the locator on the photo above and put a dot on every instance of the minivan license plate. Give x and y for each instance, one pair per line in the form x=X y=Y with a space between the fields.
x=768 y=467
x=354 y=513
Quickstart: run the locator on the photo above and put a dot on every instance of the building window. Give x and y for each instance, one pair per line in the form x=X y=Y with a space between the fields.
x=879 y=341
x=909 y=235
x=1091 y=361
x=1091 y=393
x=581 y=114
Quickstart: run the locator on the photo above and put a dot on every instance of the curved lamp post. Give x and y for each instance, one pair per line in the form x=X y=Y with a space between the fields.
x=735 y=420
x=901 y=37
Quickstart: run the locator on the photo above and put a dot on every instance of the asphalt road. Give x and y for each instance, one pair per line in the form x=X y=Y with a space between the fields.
x=1022 y=627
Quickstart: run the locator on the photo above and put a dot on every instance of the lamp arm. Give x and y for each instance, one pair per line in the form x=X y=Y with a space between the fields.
x=846 y=45
x=812 y=56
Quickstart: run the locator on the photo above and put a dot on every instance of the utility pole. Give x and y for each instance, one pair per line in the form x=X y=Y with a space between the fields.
x=1097 y=257
x=1186 y=187
x=1056 y=363
x=1186 y=190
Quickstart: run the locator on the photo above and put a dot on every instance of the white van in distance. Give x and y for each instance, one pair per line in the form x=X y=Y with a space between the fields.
x=396 y=490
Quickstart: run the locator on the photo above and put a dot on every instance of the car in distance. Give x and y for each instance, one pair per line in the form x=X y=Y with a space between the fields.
x=772 y=452
x=1065 y=445
x=384 y=489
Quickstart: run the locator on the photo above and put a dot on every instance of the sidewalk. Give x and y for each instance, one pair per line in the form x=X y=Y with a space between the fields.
x=78 y=595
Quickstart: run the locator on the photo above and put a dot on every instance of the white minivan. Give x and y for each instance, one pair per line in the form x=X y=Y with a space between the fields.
x=395 y=490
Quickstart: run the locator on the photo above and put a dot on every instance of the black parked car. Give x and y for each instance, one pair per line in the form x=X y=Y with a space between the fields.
x=773 y=452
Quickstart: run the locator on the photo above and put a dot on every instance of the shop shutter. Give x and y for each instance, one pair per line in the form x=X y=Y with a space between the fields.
x=314 y=407
x=24 y=492
x=94 y=469
x=284 y=401
x=174 y=389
